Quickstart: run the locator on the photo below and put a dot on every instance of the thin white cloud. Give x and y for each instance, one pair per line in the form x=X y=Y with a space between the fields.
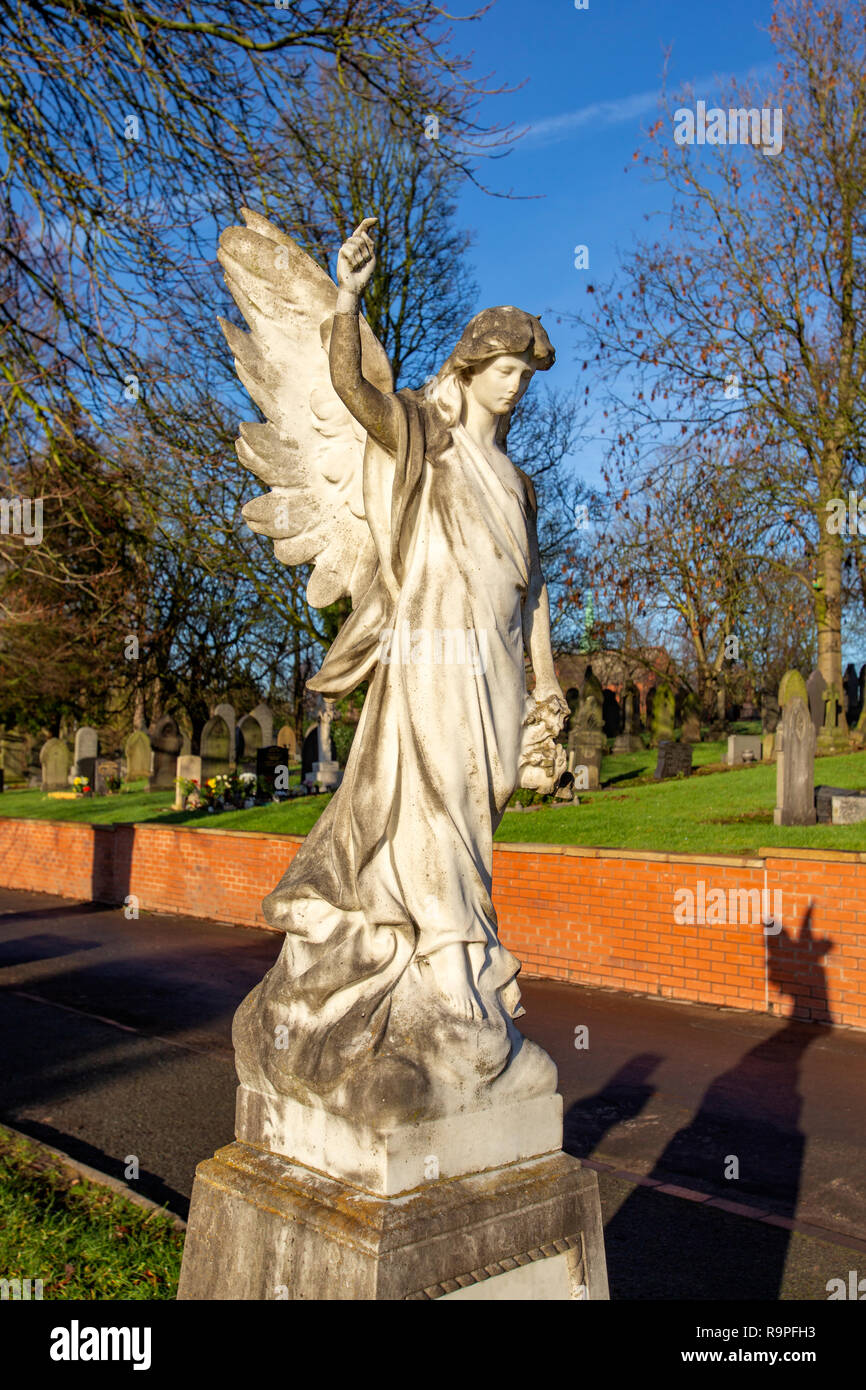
x=621 y=110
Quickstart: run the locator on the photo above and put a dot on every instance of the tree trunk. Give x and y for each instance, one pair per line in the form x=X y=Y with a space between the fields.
x=828 y=610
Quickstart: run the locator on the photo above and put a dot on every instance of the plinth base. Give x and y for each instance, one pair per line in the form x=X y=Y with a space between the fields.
x=399 y=1159
x=261 y=1227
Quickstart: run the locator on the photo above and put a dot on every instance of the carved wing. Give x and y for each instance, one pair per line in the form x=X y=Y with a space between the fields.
x=311 y=450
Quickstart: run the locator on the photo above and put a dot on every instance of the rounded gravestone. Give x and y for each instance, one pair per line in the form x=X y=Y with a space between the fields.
x=138 y=754
x=792 y=684
x=56 y=760
x=215 y=748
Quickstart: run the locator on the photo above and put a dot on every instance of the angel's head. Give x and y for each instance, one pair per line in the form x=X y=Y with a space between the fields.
x=494 y=361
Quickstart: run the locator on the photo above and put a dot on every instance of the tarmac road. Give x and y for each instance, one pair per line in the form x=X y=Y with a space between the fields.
x=116 y=1040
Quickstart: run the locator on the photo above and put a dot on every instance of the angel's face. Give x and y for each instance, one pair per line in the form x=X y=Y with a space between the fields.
x=499 y=383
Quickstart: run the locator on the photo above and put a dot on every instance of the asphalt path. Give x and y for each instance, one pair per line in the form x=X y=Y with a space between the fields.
x=730 y=1146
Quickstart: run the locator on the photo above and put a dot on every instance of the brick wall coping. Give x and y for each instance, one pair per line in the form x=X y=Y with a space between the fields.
x=839 y=856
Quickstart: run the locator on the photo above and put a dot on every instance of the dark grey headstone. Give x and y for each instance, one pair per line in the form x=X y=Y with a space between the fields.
x=611 y=716
x=851 y=686
x=673 y=759
x=86 y=767
x=815 y=687
x=310 y=751
x=268 y=760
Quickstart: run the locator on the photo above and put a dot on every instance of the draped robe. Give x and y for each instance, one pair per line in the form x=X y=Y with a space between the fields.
x=400 y=862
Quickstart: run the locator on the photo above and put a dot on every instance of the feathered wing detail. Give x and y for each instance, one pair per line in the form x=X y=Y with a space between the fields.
x=311 y=450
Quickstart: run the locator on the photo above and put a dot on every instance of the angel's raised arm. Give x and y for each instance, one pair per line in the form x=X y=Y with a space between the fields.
x=377 y=412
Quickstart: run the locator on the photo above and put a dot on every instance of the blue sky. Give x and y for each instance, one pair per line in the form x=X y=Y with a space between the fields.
x=591 y=85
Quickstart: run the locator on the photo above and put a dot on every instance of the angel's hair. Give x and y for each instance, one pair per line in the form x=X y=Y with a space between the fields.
x=492 y=333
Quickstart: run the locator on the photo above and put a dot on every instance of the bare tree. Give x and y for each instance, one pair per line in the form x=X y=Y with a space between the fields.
x=750 y=328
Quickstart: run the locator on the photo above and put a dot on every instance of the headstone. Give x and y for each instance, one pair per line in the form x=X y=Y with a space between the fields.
x=269 y=762
x=748 y=710
x=310 y=752
x=139 y=755
x=288 y=739
x=791 y=684
x=741 y=745
x=215 y=745
x=768 y=748
x=105 y=768
x=611 y=714
x=226 y=712
x=326 y=770
x=851 y=686
x=664 y=709
x=56 y=761
x=691 y=714
x=849 y=810
x=833 y=737
x=770 y=712
x=816 y=685
x=590 y=714
x=255 y=731
x=86 y=749
x=629 y=741
x=585 y=752
x=14 y=758
x=795 y=765
x=824 y=801
x=673 y=759
x=188 y=769
x=166 y=743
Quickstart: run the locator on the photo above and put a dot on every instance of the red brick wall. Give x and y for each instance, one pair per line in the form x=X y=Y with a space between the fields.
x=594 y=916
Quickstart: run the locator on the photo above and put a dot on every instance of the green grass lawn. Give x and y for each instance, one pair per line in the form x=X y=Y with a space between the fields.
x=82 y=1240
x=716 y=811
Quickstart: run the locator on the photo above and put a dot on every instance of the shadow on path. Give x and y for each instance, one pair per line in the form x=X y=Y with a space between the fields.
x=745 y=1144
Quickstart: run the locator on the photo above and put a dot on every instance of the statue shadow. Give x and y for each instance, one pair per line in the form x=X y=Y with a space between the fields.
x=744 y=1144
x=622 y=1098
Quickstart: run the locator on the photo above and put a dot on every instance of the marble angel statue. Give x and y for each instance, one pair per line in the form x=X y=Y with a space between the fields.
x=393 y=993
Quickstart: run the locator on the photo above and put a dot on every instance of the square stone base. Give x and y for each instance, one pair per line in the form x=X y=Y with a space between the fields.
x=399 y=1159
x=261 y=1227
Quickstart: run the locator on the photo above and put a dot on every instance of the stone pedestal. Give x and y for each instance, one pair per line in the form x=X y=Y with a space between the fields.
x=327 y=775
x=262 y=1227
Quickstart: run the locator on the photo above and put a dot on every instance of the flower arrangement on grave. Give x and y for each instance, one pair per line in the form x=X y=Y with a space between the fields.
x=113 y=784
x=81 y=786
x=212 y=793
x=191 y=792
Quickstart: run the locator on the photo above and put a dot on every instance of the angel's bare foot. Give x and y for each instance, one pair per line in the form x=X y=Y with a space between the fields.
x=450 y=967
